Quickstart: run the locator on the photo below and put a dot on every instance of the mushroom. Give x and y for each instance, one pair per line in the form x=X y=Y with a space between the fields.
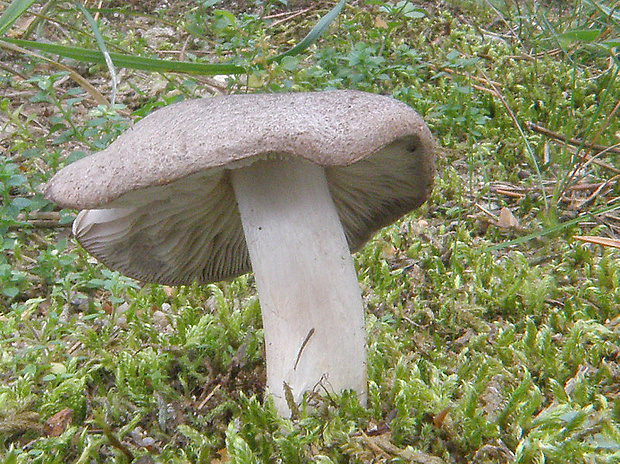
x=286 y=185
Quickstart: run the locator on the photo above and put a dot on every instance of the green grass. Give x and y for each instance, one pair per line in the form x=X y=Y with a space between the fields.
x=487 y=343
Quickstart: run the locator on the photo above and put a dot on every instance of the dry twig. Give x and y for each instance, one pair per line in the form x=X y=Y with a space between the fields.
x=601 y=149
x=41 y=220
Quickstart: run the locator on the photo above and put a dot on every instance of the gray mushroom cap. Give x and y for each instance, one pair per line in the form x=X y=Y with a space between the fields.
x=158 y=203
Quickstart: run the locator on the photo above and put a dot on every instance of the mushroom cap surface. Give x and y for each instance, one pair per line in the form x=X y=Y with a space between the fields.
x=159 y=205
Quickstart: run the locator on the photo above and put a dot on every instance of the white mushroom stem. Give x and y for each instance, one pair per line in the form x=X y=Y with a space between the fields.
x=310 y=299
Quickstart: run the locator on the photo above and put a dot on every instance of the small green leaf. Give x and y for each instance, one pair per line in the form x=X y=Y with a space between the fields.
x=11 y=292
x=21 y=203
x=584 y=35
x=74 y=156
x=290 y=63
x=16 y=180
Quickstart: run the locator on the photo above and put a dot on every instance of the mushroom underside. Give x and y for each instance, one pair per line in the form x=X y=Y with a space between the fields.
x=190 y=230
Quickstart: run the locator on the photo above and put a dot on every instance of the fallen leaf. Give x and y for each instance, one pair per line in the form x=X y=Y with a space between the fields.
x=380 y=23
x=169 y=291
x=58 y=423
x=375 y=429
x=222 y=457
x=507 y=220
x=107 y=306
x=439 y=418
x=493 y=399
x=610 y=242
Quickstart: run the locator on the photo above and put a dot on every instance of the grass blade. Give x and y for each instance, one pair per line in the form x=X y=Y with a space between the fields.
x=551 y=230
x=100 y=99
x=612 y=14
x=12 y=13
x=102 y=48
x=122 y=60
x=313 y=35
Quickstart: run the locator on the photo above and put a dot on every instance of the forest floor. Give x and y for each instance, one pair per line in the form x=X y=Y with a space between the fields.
x=493 y=312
